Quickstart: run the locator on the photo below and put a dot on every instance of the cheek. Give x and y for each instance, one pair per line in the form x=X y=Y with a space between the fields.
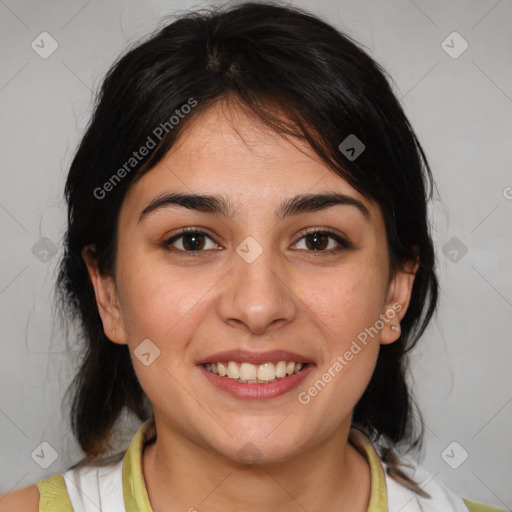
x=347 y=300
x=352 y=307
x=347 y=310
x=154 y=297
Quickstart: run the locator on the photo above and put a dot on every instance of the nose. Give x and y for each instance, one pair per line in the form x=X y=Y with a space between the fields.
x=257 y=296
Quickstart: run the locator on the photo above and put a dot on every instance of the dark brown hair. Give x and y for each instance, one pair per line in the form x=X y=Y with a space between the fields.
x=304 y=79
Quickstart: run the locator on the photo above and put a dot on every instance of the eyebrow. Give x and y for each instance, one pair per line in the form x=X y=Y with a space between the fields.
x=218 y=205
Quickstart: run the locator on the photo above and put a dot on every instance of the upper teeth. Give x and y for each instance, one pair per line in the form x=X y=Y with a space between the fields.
x=247 y=372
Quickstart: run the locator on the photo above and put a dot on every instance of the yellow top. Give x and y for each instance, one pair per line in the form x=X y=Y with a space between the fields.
x=54 y=496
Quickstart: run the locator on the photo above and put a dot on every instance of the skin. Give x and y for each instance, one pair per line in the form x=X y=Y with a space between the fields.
x=192 y=306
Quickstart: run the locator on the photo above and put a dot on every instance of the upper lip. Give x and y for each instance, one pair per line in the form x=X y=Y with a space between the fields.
x=256 y=358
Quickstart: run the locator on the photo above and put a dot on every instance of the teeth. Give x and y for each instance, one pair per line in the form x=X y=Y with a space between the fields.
x=266 y=371
x=281 y=369
x=222 y=370
x=247 y=372
x=233 y=370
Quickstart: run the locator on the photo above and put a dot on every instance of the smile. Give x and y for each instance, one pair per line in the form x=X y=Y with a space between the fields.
x=267 y=385
x=255 y=374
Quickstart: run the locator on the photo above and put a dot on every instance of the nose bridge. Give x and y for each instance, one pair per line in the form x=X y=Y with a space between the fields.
x=257 y=294
x=258 y=267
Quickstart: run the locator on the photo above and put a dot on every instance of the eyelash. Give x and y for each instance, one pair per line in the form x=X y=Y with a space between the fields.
x=343 y=243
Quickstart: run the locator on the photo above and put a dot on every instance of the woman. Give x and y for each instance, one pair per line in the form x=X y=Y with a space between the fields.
x=249 y=255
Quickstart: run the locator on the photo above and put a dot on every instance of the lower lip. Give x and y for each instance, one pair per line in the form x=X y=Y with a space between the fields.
x=257 y=391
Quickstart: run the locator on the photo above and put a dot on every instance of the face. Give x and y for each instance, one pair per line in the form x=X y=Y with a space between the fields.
x=256 y=290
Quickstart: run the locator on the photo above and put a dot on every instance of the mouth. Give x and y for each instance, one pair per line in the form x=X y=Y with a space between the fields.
x=255 y=376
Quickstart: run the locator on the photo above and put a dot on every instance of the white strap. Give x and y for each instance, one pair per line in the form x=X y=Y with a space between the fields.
x=96 y=489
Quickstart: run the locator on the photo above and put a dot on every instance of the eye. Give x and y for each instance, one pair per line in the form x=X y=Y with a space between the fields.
x=194 y=240
x=190 y=240
x=318 y=240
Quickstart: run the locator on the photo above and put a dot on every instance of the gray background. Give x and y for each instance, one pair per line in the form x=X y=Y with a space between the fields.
x=461 y=109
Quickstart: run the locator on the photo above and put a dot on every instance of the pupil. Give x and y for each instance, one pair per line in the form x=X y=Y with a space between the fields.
x=196 y=244
x=316 y=237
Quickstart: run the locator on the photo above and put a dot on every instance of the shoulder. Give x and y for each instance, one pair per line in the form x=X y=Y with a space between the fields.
x=72 y=491
x=442 y=498
x=47 y=495
x=26 y=499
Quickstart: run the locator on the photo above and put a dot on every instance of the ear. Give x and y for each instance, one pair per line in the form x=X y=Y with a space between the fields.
x=398 y=298
x=106 y=298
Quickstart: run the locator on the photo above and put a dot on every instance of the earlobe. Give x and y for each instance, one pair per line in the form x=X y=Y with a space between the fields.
x=399 y=296
x=106 y=298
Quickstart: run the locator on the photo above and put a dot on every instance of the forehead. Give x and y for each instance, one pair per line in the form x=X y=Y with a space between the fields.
x=228 y=152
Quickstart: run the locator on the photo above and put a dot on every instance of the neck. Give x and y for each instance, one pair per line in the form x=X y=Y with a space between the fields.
x=332 y=475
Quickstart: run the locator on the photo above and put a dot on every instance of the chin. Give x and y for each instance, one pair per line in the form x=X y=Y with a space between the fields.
x=258 y=447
